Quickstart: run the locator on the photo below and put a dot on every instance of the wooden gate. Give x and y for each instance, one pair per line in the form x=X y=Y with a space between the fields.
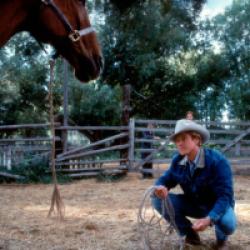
x=103 y=156
x=231 y=138
x=122 y=147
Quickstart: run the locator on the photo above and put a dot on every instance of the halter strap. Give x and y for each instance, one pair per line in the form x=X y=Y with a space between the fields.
x=74 y=35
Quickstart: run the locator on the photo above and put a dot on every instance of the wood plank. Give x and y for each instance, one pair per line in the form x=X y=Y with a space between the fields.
x=226 y=131
x=235 y=140
x=145 y=150
x=65 y=105
x=81 y=162
x=93 y=152
x=34 y=139
x=214 y=141
x=239 y=161
x=106 y=172
x=11 y=176
x=222 y=141
x=83 y=174
x=114 y=171
x=214 y=123
x=77 y=150
x=149 y=150
x=77 y=170
x=161 y=122
x=150 y=156
x=165 y=130
x=231 y=123
x=159 y=161
x=93 y=128
x=26 y=126
x=131 y=141
x=150 y=140
x=235 y=171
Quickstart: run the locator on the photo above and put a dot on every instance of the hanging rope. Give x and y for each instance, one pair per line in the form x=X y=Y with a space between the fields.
x=56 y=201
x=156 y=232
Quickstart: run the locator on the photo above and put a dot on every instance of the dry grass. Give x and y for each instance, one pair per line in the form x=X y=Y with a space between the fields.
x=99 y=216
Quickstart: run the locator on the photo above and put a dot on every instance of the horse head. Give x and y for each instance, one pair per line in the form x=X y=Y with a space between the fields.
x=66 y=26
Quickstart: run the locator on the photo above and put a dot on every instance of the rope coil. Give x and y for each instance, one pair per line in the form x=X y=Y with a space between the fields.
x=156 y=232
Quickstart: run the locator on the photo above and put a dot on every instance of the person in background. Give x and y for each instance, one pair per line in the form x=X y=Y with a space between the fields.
x=205 y=177
x=148 y=135
x=190 y=115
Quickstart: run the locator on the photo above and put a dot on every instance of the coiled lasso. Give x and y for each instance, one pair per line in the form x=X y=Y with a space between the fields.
x=156 y=232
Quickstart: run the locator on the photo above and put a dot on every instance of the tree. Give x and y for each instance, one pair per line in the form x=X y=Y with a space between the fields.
x=140 y=46
x=124 y=5
x=230 y=33
x=95 y=103
x=24 y=75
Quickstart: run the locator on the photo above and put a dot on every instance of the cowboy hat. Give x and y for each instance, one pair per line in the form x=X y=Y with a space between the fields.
x=188 y=125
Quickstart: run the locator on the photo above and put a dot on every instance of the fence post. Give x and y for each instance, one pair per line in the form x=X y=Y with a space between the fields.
x=9 y=157
x=126 y=93
x=4 y=156
x=237 y=149
x=65 y=107
x=131 y=142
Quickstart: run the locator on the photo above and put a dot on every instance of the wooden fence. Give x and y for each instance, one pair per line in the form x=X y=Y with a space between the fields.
x=122 y=148
x=14 y=148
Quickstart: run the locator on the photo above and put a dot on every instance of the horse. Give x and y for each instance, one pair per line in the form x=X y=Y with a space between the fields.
x=64 y=24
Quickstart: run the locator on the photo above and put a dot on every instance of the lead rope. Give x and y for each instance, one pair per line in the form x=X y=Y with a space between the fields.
x=145 y=225
x=56 y=200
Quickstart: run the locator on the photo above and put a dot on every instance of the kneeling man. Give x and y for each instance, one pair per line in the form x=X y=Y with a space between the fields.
x=206 y=180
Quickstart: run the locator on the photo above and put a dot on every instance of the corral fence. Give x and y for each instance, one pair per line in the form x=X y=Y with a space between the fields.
x=120 y=148
x=230 y=138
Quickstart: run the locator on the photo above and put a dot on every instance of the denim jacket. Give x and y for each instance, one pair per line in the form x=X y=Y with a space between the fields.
x=211 y=185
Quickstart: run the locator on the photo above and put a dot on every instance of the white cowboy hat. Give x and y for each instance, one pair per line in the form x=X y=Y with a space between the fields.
x=188 y=125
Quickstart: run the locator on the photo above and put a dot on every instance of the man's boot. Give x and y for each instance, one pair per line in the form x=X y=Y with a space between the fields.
x=192 y=238
x=221 y=245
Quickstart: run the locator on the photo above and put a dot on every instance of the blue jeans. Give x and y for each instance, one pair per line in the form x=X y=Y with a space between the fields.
x=225 y=226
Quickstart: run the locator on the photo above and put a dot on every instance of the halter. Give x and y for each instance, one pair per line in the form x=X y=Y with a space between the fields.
x=74 y=35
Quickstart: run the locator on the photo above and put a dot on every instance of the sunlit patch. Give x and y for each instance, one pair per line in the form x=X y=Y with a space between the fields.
x=243 y=210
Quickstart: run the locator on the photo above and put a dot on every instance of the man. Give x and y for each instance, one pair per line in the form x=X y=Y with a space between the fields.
x=148 y=135
x=206 y=180
x=190 y=115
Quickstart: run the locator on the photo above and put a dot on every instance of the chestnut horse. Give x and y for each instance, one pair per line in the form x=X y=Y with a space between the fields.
x=62 y=23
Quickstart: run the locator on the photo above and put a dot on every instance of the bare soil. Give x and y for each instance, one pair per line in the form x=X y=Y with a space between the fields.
x=99 y=215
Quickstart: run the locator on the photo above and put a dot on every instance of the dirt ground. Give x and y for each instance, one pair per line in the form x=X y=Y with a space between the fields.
x=99 y=215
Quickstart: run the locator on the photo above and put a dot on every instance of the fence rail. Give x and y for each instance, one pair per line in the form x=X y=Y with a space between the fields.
x=231 y=137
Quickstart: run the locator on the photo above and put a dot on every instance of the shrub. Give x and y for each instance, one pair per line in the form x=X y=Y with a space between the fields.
x=36 y=169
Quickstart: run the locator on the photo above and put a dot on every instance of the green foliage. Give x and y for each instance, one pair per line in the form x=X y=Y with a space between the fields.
x=97 y=104
x=104 y=177
x=23 y=82
x=173 y=61
x=33 y=169
x=226 y=44
x=139 y=46
x=124 y=5
x=36 y=170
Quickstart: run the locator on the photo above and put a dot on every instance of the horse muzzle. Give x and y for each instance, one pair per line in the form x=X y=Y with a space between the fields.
x=89 y=69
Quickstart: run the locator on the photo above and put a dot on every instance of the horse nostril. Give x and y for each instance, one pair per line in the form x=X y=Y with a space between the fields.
x=99 y=62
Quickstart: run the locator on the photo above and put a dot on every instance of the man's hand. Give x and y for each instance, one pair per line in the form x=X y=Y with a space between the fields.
x=201 y=224
x=161 y=192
